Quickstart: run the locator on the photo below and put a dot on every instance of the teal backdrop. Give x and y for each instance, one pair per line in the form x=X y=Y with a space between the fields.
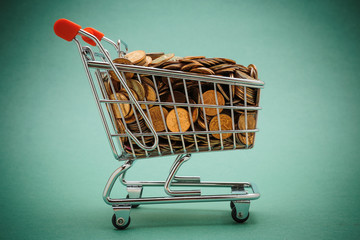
x=55 y=159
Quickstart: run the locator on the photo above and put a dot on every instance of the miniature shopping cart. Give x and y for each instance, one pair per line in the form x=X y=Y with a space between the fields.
x=128 y=145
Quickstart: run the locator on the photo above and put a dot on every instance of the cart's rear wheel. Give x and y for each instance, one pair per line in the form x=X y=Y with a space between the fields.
x=236 y=217
x=115 y=223
x=133 y=205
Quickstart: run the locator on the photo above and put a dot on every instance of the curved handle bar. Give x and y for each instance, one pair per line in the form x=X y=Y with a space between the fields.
x=99 y=35
x=68 y=31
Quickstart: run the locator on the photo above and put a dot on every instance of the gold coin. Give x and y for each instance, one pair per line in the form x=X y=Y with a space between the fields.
x=210 y=99
x=176 y=138
x=224 y=89
x=203 y=137
x=189 y=138
x=228 y=60
x=203 y=70
x=201 y=123
x=150 y=95
x=136 y=56
x=121 y=61
x=147 y=81
x=208 y=62
x=225 y=71
x=121 y=129
x=242 y=68
x=137 y=87
x=205 y=117
x=173 y=124
x=123 y=91
x=174 y=66
x=251 y=121
x=179 y=98
x=250 y=138
x=136 y=126
x=194 y=57
x=132 y=118
x=221 y=66
x=250 y=97
x=124 y=107
x=155 y=55
x=225 y=124
x=175 y=58
x=156 y=118
x=194 y=111
x=108 y=88
x=184 y=60
x=163 y=58
x=240 y=74
x=253 y=67
x=142 y=63
x=191 y=65
x=148 y=60
x=195 y=93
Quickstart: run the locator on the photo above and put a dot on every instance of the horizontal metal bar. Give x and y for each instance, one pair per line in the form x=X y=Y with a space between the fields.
x=187 y=133
x=183 y=199
x=178 y=74
x=126 y=156
x=182 y=104
x=188 y=184
x=181 y=179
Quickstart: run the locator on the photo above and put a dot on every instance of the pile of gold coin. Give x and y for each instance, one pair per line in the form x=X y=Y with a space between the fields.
x=167 y=118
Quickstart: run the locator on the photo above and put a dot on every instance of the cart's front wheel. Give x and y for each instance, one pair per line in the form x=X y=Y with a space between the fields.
x=133 y=205
x=117 y=223
x=238 y=218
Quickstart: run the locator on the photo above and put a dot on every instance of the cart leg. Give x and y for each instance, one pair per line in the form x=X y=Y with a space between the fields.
x=134 y=192
x=174 y=168
x=110 y=183
x=121 y=217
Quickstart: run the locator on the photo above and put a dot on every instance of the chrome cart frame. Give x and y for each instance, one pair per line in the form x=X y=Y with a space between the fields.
x=96 y=65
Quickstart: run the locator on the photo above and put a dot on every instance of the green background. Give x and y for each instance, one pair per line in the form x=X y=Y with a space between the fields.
x=55 y=158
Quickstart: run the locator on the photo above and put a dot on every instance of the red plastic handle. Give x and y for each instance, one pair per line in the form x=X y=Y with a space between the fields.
x=66 y=29
x=99 y=35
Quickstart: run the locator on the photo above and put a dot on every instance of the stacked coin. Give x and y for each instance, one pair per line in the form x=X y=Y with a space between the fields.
x=189 y=114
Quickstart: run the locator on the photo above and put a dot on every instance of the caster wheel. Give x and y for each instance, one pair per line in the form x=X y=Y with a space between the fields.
x=120 y=227
x=135 y=205
x=232 y=205
x=236 y=218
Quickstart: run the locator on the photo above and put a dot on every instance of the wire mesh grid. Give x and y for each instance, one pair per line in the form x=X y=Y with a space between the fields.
x=190 y=112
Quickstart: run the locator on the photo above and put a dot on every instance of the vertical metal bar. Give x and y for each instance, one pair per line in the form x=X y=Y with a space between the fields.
x=190 y=112
x=162 y=113
x=121 y=113
x=232 y=114
x=218 y=115
x=176 y=113
x=246 y=125
x=257 y=112
x=205 y=121
x=138 y=124
x=148 y=112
